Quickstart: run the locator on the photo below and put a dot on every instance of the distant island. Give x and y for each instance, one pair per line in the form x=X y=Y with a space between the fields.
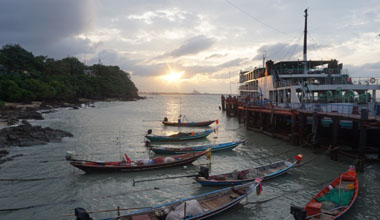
x=175 y=93
x=25 y=78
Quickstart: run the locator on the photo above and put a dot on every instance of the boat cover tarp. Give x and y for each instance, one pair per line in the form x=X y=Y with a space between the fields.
x=333 y=196
x=193 y=208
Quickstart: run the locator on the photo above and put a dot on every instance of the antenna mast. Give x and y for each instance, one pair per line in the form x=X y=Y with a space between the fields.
x=264 y=57
x=305 y=45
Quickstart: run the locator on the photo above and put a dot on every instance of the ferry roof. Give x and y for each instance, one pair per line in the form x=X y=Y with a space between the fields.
x=310 y=63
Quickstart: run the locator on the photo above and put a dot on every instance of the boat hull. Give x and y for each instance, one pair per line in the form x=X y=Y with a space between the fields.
x=213 y=181
x=184 y=150
x=227 y=197
x=341 y=183
x=185 y=137
x=189 y=124
x=97 y=167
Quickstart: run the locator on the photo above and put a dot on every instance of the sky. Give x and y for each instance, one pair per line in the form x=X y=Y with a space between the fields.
x=186 y=45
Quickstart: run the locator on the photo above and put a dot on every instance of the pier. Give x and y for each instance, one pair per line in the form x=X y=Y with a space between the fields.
x=352 y=134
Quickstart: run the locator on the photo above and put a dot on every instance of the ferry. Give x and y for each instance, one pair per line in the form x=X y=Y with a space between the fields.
x=313 y=85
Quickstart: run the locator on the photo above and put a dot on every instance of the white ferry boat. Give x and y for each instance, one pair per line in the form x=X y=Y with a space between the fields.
x=315 y=85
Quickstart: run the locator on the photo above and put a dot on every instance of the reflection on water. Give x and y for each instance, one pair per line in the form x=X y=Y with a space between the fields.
x=96 y=133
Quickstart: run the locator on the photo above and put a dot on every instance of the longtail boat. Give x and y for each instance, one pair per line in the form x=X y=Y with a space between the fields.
x=195 y=207
x=181 y=136
x=183 y=150
x=333 y=201
x=128 y=165
x=188 y=124
x=248 y=175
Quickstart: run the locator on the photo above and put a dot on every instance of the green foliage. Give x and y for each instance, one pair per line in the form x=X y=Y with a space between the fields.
x=30 y=78
x=2 y=103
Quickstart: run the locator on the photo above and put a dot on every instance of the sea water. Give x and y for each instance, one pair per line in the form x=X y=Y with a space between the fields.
x=114 y=128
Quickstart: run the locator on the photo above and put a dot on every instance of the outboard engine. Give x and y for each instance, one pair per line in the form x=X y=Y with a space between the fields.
x=82 y=214
x=204 y=172
x=165 y=119
x=147 y=143
x=69 y=155
x=149 y=132
x=298 y=212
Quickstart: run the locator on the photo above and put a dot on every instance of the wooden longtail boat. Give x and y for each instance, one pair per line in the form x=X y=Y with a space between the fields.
x=333 y=201
x=137 y=165
x=195 y=207
x=240 y=177
x=181 y=136
x=183 y=150
x=188 y=124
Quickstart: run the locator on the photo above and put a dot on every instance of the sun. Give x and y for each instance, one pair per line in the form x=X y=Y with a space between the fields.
x=173 y=76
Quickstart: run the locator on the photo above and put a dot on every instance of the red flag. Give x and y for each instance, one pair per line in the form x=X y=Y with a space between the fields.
x=126 y=158
x=217 y=121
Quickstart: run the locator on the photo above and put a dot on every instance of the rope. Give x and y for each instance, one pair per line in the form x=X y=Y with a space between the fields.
x=288 y=192
x=128 y=192
x=29 y=180
x=235 y=129
x=259 y=158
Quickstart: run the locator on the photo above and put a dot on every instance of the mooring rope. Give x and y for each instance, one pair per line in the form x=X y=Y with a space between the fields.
x=286 y=192
x=128 y=192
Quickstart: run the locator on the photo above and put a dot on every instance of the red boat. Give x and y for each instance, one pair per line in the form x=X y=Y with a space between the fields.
x=333 y=201
x=128 y=165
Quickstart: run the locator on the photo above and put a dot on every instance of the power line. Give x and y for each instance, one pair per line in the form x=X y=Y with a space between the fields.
x=256 y=19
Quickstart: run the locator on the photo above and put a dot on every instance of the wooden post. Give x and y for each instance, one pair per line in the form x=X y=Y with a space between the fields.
x=248 y=119
x=293 y=128
x=261 y=120
x=314 y=131
x=301 y=128
x=335 y=135
x=223 y=103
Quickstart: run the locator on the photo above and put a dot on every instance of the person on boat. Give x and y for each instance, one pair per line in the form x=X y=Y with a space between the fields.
x=165 y=119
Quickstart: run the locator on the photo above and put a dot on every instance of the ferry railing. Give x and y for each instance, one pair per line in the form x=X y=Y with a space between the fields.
x=332 y=81
x=343 y=109
x=365 y=80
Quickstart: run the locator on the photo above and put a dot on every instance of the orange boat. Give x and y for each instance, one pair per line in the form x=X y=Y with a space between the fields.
x=333 y=201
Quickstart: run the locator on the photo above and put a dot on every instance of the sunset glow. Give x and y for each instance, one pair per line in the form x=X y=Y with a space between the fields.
x=173 y=76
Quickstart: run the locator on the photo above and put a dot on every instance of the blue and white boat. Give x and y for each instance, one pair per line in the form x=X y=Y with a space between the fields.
x=265 y=172
x=184 y=150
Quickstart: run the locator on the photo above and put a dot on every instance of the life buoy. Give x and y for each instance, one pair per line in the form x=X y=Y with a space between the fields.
x=372 y=80
x=348 y=79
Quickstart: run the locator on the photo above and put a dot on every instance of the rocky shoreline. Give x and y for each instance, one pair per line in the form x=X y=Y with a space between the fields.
x=25 y=135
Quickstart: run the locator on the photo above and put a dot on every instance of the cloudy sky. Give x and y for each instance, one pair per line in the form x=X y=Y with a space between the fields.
x=201 y=44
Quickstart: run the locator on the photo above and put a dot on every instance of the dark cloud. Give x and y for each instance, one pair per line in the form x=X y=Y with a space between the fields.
x=113 y=57
x=192 y=46
x=283 y=51
x=138 y=68
x=231 y=63
x=42 y=23
x=215 y=55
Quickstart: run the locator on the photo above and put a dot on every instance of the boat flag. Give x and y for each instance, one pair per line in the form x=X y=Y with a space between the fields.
x=127 y=159
x=259 y=188
x=208 y=154
x=217 y=121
